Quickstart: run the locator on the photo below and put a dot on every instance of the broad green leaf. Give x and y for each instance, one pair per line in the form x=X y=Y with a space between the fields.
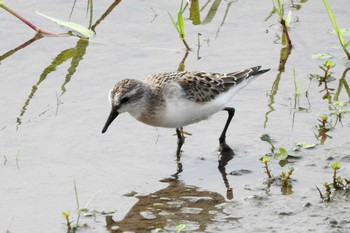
x=321 y=56
x=343 y=31
x=85 y=32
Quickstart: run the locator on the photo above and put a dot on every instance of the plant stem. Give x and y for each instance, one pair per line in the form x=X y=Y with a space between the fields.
x=186 y=45
x=267 y=171
x=32 y=26
x=285 y=32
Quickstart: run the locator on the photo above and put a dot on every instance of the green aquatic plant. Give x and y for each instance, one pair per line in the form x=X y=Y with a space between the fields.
x=338 y=30
x=66 y=216
x=180 y=26
x=325 y=78
x=282 y=156
x=338 y=183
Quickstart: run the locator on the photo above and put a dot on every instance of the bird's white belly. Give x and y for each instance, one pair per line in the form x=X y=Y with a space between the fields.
x=182 y=112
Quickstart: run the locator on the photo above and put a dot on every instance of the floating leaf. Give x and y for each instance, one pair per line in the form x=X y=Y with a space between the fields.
x=282 y=155
x=321 y=56
x=85 y=32
x=305 y=145
x=343 y=31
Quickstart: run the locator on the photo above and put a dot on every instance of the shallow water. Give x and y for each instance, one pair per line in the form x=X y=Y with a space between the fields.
x=54 y=105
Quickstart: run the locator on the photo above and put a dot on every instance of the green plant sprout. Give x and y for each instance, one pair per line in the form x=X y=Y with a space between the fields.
x=325 y=78
x=338 y=183
x=284 y=21
x=338 y=31
x=180 y=26
x=323 y=128
x=66 y=216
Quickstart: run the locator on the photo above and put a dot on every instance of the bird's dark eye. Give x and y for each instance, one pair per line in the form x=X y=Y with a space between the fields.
x=124 y=100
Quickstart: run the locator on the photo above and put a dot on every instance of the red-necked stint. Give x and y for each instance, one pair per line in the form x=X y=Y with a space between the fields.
x=177 y=99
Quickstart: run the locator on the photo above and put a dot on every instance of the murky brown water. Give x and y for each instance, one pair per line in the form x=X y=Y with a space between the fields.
x=54 y=105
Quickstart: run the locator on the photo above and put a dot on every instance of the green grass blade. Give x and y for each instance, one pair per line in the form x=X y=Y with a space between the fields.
x=180 y=22
x=278 y=7
x=85 y=32
x=174 y=23
x=334 y=22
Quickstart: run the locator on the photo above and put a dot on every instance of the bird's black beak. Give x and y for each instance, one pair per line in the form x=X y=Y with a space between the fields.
x=114 y=113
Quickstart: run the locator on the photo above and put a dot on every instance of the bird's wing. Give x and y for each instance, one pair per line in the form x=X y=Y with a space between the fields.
x=204 y=87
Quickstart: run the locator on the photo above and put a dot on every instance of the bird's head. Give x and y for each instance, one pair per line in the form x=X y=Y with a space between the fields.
x=124 y=97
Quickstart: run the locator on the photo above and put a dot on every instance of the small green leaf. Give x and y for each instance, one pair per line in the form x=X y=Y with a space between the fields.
x=180 y=227
x=159 y=230
x=282 y=155
x=85 y=32
x=265 y=159
x=335 y=165
x=329 y=64
x=321 y=56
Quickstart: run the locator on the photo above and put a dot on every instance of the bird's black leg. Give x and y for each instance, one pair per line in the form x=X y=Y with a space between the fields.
x=180 y=140
x=231 y=113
